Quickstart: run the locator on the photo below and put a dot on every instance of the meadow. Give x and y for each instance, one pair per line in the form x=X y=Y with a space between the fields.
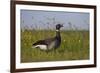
x=74 y=46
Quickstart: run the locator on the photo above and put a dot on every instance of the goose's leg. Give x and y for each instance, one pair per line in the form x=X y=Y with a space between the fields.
x=47 y=51
x=54 y=51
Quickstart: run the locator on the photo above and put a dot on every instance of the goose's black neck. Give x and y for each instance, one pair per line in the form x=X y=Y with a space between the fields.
x=58 y=33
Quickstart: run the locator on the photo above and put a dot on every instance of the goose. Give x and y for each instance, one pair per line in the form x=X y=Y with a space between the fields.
x=50 y=43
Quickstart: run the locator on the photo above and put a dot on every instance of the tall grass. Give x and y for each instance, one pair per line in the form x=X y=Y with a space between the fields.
x=74 y=46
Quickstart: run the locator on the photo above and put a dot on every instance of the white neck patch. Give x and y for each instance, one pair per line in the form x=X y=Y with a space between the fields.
x=57 y=30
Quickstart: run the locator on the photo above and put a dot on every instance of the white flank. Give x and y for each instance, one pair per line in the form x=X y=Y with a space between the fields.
x=42 y=47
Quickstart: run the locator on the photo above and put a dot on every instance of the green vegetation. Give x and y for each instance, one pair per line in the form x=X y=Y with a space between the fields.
x=74 y=46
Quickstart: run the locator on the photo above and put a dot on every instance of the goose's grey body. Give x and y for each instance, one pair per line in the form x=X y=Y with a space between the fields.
x=50 y=43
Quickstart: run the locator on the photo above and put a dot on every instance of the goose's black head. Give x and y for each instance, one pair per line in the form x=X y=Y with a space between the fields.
x=58 y=26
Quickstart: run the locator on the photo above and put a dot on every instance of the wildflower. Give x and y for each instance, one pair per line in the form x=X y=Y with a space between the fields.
x=64 y=40
x=79 y=41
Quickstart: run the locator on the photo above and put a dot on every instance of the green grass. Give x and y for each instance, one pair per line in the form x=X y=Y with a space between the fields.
x=74 y=46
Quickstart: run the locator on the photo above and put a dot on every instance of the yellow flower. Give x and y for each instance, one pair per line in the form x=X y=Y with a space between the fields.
x=64 y=40
x=79 y=41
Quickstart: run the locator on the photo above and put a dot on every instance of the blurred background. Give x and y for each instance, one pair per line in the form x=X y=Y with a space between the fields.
x=37 y=19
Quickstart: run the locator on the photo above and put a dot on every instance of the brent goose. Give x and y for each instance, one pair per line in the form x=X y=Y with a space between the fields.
x=50 y=43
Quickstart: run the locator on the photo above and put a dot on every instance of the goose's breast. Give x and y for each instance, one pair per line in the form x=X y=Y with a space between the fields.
x=51 y=45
